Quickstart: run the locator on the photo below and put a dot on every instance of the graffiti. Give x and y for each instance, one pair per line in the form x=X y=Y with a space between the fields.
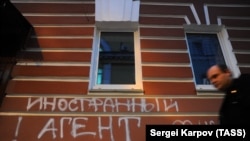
x=97 y=127
x=78 y=127
x=102 y=105
x=18 y=126
x=81 y=127
x=188 y=122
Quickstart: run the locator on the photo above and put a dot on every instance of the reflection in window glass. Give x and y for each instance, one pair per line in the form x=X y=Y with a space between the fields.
x=116 y=58
x=205 y=51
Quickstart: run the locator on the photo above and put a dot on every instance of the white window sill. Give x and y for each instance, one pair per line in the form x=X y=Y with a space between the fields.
x=208 y=90
x=116 y=91
x=205 y=88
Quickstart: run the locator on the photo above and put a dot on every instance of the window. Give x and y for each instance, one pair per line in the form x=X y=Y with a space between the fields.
x=116 y=62
x=205 y=51
x=116 y=58
x=209 y=45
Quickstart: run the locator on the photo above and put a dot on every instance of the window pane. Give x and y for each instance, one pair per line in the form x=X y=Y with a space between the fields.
x=116 y=58
x=205 y=51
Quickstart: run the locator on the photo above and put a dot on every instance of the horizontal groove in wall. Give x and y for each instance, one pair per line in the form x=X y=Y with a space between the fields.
x=23 y=63
x=56 y=15
x=152 y=114
x=63 y=25
x=165 y=50
x=162 y=16
x=166 y=3
x=161 y=26
x=166 y=64
x=244 y=65
x=242 y=51
x=162 y=38
x=240 y=39
x=54 y=1
x=238 y=28
x=26 y=95
x=62 y=37
x=227 y=5
x=52 y=78
x=147 y=79
x=58 y=50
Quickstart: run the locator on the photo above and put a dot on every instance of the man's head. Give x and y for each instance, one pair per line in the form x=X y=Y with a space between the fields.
x=220 y=76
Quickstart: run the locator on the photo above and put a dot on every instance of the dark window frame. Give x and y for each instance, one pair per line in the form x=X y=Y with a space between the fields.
x=226 y=48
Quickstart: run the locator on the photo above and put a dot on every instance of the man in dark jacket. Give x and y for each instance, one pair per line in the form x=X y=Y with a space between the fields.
x=235 y=108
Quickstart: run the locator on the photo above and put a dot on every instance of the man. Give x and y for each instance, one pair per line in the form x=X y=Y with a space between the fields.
x=235 y=108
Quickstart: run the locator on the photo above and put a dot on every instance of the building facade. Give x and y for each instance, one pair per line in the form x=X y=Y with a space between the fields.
x=102 y=71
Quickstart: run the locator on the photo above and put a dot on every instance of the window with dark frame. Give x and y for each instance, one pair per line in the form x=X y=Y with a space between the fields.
x=116 y=58
x=205 y=51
